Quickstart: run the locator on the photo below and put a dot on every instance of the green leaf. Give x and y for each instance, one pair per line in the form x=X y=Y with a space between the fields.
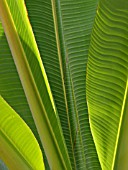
x=18 y=147
x=34 y=81
x=62 y=30
x=75 y=21
x=10 y=85
x=54 y=56
x=11 y=88
x=107 y=83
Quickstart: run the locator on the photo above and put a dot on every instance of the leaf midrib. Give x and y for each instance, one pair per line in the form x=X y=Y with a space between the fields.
x=17 y=151
x=120 y=123
x=62 y=73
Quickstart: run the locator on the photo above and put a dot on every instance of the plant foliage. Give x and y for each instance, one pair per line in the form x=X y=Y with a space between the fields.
x=64 y=71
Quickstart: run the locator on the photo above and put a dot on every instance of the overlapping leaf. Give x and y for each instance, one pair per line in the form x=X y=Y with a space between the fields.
x=10 y=85
x=107 y=82
x=34 y=80
x=62 y=30
x=18 y=146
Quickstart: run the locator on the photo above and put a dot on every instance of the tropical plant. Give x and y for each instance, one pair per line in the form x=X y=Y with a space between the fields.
x=64 y=84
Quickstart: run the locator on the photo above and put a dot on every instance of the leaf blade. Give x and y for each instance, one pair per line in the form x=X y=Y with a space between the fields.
x=31 y=72
x=107 y=75
x=19 y=148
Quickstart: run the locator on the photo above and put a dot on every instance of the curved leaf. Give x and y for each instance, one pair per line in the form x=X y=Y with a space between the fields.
x=10 y=85
x=34 y=81
x=107 y=83
x=18 y=147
